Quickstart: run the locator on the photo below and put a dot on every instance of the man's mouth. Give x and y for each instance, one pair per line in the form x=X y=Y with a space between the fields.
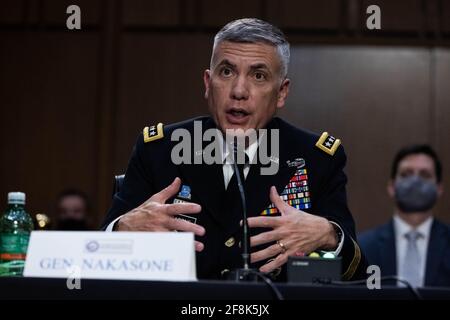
x=237 y=115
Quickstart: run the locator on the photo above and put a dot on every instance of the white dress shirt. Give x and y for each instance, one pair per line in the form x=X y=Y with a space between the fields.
x=401 y=228
x=227 y=159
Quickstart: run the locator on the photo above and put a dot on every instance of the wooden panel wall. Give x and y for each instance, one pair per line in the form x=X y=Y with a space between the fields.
x=375 y=99
x=441 y=114
x=49 y=84
x=73 y=102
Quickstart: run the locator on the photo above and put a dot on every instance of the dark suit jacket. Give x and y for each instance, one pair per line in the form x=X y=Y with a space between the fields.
x=151 y=169
x=378 y=245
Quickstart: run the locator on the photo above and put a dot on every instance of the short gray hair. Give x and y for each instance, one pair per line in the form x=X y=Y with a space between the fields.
x=252 y=30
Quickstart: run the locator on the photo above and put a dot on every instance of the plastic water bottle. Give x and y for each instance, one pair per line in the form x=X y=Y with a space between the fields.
x=15 y=228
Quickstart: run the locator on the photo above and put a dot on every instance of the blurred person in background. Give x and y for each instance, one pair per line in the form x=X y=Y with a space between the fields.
x=413 y=245
x=72 y=211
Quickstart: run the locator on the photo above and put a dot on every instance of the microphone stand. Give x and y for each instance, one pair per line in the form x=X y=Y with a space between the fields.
x=245 y=273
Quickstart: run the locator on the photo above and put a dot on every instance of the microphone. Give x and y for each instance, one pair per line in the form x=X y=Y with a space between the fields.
x=246 y=238
x=245 y=273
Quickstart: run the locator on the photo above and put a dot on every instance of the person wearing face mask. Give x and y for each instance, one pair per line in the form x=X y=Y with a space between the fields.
x=413 y=245
x=72 y=211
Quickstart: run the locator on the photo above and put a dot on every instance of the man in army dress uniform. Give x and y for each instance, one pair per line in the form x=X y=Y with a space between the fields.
x=300 y=209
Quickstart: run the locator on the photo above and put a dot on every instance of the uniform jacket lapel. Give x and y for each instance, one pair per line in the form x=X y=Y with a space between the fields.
x=258 y=186
x=206 y=181
x=436 y=247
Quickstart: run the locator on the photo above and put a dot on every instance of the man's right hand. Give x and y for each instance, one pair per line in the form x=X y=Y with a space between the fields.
x=155 y=215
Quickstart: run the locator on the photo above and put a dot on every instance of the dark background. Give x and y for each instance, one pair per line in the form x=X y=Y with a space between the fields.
x=73 y=102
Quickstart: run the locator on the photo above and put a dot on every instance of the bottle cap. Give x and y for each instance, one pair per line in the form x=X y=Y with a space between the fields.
x=16 y=198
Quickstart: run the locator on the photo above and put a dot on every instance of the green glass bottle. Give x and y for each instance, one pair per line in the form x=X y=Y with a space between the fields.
x=15 y=228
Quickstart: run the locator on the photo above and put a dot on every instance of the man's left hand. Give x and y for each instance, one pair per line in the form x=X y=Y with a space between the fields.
x=295 y=232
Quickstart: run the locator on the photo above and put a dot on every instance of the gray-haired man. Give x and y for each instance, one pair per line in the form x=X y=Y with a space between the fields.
x=300 y=209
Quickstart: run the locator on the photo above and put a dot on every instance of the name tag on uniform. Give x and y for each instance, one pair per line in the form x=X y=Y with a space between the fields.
x=167 y=256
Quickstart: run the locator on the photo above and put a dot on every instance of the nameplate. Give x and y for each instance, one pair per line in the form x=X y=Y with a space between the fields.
x=166 y=256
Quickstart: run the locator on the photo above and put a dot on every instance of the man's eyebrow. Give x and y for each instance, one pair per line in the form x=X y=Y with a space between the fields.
x=226 y=62
x=259 y=66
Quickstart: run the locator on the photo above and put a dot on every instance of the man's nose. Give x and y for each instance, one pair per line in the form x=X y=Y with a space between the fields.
x=239 y=91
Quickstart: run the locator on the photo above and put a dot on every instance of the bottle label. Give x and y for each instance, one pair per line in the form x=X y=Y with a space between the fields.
x=13 y=246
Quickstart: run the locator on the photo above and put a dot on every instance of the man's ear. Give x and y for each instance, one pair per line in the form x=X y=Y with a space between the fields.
x=206 y=80
x=283 y=93
x=390 y=189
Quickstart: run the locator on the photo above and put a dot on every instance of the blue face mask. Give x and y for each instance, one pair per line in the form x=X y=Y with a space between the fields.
x=415 y=194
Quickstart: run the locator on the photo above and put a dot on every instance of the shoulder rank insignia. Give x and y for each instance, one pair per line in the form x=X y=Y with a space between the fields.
x=328 y=143
x=153 y=132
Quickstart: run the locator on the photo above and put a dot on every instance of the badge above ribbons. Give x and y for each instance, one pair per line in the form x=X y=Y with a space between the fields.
x=184 y=196
x=296 y=193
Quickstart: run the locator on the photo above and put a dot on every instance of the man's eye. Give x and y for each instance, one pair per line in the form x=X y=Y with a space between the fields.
x=426 y=175
x=225 y=72
x=405 y=174
x=260 y=76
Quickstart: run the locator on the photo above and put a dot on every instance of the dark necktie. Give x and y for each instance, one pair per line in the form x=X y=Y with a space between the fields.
x=233 y=202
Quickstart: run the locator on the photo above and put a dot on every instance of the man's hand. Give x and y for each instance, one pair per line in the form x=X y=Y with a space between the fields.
x=155 y=215
x=295 y=231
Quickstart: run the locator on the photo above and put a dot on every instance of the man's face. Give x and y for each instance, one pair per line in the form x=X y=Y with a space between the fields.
x=244 y=87
x=420 y=165
x=417 y=164
x=72 y=207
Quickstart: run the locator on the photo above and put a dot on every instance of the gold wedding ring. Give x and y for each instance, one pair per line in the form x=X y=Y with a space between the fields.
x=282 y=246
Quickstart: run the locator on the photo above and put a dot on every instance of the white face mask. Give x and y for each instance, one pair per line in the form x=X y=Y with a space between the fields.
x=415 y=194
